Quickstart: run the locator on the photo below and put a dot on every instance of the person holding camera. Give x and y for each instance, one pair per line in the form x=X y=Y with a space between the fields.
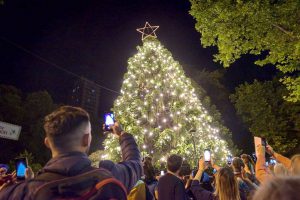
x=226 y=185
x=293 y=164
x=69 y=171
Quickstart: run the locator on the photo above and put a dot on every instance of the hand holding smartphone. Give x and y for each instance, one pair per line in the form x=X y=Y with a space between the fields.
x=21 y=166
x=207 y=155
x=229 y=159
x=109 y=120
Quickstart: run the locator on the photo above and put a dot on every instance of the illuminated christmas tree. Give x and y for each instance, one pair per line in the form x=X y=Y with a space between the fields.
x=159 y=106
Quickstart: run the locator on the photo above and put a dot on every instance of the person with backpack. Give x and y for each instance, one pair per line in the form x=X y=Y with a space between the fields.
x=69 y=173
x=226 y=185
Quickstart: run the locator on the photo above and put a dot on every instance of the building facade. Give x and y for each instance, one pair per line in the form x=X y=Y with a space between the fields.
x=86 y=94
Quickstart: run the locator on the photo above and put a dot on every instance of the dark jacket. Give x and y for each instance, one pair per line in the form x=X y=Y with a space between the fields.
x=75 y=163
x=170 y=187
x=200 y=193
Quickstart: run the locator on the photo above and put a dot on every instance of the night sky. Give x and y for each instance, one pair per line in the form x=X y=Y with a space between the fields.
x=94 y=39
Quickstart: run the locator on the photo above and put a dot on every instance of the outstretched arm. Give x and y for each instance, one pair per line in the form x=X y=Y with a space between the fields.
x=129 y=171
x=262 y=174
x=280 y=158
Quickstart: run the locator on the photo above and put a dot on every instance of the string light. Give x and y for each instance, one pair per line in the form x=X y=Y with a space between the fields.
x=154 y=79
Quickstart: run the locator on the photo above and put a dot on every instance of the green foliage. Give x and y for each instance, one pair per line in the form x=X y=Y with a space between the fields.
x=293 y=85
x=160 y=107
x=96 y=156
x=253 y=27
x=29 y=113
x=31 y=161
x=262 y=107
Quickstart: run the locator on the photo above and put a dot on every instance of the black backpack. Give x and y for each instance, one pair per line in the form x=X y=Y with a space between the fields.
x=95 y=184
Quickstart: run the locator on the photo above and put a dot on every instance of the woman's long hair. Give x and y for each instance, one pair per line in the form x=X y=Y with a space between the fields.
x=226 y=185
x=149 y=170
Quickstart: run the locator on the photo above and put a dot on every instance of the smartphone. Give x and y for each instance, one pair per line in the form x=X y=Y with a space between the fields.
x=194 y=172
x=267 y=164
x=21 y=165
x=162 y=173
x=273 y=161
x=229 y=159
x=109 y=120
x=257 y=141
x=264 y=142
x=215 y=171
x=207 y=155
x=254 y=157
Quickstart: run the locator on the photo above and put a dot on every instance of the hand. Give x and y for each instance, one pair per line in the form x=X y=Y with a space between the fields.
x=117 y=129
x=7 y=180
x=270 y=150
x=244 y=174
x=213 y=164
x=29 y=173
x=3 y=171
x=202 y=165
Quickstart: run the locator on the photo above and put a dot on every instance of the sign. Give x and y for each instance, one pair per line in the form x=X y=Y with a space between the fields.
x=9 y=131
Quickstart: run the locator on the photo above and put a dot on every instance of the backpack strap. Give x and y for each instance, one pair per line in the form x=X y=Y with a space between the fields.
x=63 y=184
x=103 y=183
x=111 y=180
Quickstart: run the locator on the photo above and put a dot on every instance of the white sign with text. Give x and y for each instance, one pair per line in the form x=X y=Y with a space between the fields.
x=9 y=131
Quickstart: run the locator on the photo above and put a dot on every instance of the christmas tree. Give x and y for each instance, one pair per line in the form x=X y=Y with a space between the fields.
x=160 y=107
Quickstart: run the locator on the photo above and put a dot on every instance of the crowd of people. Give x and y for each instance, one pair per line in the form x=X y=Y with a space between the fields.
x=70 y=175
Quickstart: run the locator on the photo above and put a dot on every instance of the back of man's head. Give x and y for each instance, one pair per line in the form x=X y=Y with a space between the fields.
x=174 y=163
x=66 y=126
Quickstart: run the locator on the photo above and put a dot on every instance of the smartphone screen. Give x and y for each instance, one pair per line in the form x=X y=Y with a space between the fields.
x=229 y=160
x=273 y=161
x=109 y=120
x=21 y=165
x=254 y=157
x=207 y=155
x=162 y=173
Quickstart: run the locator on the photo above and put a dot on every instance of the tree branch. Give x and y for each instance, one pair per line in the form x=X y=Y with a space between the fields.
x=283 y=30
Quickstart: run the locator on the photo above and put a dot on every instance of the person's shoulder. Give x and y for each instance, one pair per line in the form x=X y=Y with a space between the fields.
x=19 y=190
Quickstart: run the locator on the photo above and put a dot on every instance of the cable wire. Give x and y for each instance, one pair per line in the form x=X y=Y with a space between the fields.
x=54 y=64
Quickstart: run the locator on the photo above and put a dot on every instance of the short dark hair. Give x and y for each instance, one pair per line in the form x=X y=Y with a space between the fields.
x=60 y=124
x=174 y=163
x=185 y=169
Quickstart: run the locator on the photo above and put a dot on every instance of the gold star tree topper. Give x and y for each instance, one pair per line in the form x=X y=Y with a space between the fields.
x=148 y=31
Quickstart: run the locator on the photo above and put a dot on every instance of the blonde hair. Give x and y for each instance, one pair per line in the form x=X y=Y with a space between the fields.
x=226 y=185
x=295 y=165
x=279 y=188
x=280 y=170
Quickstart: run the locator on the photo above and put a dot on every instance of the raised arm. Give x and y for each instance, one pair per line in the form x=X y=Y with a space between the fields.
x=280 y=158
x=129 y=170
x=262 y=173
x=197 y=190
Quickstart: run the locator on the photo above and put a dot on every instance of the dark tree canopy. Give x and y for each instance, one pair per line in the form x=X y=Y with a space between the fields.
x=27 y=111
x=259 y=27
x=268 y=115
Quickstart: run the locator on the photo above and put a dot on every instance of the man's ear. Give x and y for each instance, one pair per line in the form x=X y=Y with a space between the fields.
x=85 y=140
x=47 y=142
